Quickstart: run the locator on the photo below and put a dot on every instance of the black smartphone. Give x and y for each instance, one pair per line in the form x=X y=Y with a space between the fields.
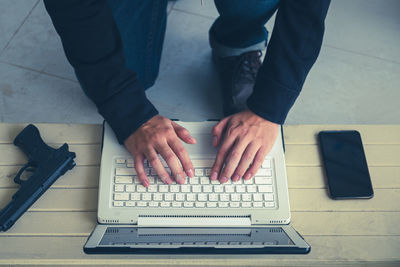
x=345 y=165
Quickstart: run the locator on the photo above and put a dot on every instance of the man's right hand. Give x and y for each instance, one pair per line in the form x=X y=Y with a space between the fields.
x=160 y=135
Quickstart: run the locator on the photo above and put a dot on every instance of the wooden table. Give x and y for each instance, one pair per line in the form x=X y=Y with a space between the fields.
x=367 y=232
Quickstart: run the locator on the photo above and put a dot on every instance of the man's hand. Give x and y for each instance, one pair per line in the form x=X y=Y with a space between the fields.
x=162 y=136
x=245 y=140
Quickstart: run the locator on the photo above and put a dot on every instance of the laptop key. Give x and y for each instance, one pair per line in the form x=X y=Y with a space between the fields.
x=202 y=197
x=224 y=197
x=118 y=203
x=188 y=204
x=204 y=180
x=119 y=188
x=211 y=204
x=223 y=204
x=213 y=197
x=165 y=204
x=180 y=197
x=121 y=196
x=265 y=188
x=176 y=204
x=262 y=180
x=258 y=197
x=200 y=204
x=123 y=179
x=146 y=197
x=141 y=204
x=125 y=171
x=257 y=204
x=267 y=164
x=153 y=204
x=235 y=197
x=130 y=188
x=130 y=204
x=264 y=172
x=198 y=172
x=157 y=197
x=120 y=161
x=246 y=204
x=269 y=197
x=246 y=197
x=135 y=196
x=269 y=204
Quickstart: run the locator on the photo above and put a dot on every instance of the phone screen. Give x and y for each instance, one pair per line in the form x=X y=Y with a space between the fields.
x=345 y=164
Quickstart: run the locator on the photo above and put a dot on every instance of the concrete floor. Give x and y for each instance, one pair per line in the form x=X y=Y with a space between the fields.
x=355 y=80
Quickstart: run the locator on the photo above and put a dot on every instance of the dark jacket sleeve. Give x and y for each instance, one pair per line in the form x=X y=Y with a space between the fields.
x=93 y=46
x=294 y=46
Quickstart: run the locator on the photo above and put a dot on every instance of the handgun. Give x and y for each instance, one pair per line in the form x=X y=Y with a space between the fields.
x=46 y=165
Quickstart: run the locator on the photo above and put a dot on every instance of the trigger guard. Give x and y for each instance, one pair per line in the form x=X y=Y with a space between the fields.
x=17 y=178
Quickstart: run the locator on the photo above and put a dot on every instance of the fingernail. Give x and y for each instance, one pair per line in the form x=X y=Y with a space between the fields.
x=214 y=176
x=179 y=179
x=247 y=176
x=146 y=183
x=223 y=180
x=190 y=173
x=236 y=178
x=215 y=140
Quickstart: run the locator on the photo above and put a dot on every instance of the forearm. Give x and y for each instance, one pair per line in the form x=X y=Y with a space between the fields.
x=292 y=50
x=93 y=46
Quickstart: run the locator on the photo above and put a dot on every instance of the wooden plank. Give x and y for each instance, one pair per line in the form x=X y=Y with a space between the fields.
x=314 y=177
x=53 y=224
x=318 y=200
x=346 y=223
x=370 y=134
x=307 y=223
x=325 y=249
x=55 y=133
x=300 y=200
x=78 y=177
x=85 y=154
x=59 y=199
x=308 y=155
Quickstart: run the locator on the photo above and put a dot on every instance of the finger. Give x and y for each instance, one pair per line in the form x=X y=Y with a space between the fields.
x=183 y=133
x=218 y=131
x=245 y=161
x=233 y=160
x=158 y=167
x=258 y=160
x=221 y=155
x=172 y=161
x=183 y=156
x=138 y=159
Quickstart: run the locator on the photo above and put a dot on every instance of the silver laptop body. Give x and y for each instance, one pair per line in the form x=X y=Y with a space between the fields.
x=159 y=216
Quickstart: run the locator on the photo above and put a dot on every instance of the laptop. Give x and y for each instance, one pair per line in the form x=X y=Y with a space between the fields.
x=200 y=216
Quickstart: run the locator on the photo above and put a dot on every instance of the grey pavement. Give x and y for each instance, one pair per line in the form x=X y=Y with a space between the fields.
x=356 y=78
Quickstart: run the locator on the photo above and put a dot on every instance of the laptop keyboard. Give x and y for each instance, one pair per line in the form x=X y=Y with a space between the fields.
x=197 y=192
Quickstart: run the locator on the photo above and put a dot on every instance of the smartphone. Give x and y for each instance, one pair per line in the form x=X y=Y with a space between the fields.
x=345 y=165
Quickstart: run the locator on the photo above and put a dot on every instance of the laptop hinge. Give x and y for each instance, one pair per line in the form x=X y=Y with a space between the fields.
x=198 y=221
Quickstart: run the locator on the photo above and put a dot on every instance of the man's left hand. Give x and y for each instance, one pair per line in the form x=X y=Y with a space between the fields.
x=245 y=140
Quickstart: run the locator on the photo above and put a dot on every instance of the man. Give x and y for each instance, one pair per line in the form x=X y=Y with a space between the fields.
x=115 y=48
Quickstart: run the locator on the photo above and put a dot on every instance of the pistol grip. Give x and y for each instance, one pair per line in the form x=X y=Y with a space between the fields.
x=29 y=141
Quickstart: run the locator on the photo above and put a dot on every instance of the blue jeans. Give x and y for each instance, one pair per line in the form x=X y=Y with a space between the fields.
x=142 y=23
